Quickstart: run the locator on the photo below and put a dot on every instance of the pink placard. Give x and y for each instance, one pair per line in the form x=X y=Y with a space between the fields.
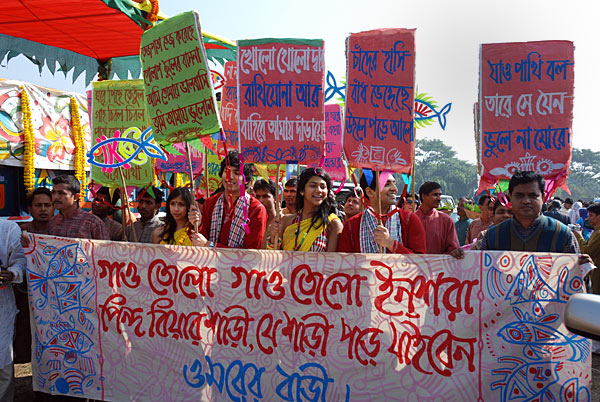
x=281 y=113
x=526 y=108
x=229 y=106
x=333 y=162
x=179 y=163
x=379 y=125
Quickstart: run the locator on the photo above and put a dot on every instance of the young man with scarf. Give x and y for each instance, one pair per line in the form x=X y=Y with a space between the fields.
x=224 y=225
x=401 y=233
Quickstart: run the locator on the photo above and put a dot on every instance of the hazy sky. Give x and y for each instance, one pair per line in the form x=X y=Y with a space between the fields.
x=447 y=45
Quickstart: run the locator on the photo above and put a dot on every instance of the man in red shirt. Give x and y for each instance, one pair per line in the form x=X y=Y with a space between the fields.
x=223 y=225
x=439 y=227
x=400 y=233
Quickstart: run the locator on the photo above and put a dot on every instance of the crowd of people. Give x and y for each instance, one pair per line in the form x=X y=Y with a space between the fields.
x=244 y=213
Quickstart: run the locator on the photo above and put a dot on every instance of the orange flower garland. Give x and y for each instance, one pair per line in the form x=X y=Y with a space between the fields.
x=29 y=142
x=77 y=133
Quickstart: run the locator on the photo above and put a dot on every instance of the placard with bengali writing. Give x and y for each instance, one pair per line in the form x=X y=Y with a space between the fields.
x=178 y=85
x=179 y=163
x=526 y=108
x=333 y=163
x=118 y=106
x=380 y=96
x=280 y=100
x=229 y=106
x=119 y=322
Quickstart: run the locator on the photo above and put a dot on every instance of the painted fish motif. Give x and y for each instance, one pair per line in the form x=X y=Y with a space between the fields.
x=65 y=341
x=426 y=111
x=122 y=150
x=530 y=286
x=526 y=381
x=66 y=262
x=538 y=338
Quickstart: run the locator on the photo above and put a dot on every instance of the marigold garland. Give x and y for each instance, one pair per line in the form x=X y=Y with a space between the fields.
x=29 y=142
x=77 y=133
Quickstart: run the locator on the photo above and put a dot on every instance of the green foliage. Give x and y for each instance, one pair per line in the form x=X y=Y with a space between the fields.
x=584 y=178
x=436 y=161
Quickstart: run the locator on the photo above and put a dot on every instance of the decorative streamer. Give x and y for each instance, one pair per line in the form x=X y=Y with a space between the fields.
x=79 y=161
x=29 y=142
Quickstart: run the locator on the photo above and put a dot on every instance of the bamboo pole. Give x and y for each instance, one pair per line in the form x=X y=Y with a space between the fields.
x=125 y=202
x=381 y=248
x=277 y=208
x=192 y=184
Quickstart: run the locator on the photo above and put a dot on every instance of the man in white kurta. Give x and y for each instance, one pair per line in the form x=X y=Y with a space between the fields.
x=12 y=260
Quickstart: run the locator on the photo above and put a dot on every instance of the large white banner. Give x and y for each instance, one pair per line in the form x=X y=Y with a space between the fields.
x=136 y=322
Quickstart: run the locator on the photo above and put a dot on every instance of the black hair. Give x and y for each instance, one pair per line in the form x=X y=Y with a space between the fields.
x=262 y=184
x=168 y=233
x=427 y=187
x=292 y=182
x=482 y=199
x=73 y=184
x=350 y=195
x=595 y=208
x=39 y=190
x=233 y=160
x=328 y=206
x=526 y=177
x=555 y=204
x=568 y=201
x=497 y=204
x=158 y=194
x=364 y=184
x=106 y=191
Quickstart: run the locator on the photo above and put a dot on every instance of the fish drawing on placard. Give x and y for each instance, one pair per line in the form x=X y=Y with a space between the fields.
x=426 y=111
x=540 y=339
x=523 y=381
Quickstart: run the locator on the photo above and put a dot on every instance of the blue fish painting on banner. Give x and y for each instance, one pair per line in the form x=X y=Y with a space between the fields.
x=66 y=291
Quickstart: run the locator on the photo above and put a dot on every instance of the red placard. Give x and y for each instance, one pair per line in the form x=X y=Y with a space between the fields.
x=379 y=126
x=280 y=88
x=229 y=106
x=526 y=109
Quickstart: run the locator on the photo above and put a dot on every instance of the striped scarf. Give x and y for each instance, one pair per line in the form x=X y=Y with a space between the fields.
x=368 y=223
x=237 y=232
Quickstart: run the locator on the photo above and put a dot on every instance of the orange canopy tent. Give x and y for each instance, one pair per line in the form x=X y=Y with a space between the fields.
x=86 y=35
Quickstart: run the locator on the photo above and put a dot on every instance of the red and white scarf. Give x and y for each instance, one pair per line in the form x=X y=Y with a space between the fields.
x=237 y=232
x=368 y=223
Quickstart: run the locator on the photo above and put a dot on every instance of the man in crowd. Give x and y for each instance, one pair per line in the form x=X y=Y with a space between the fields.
x=554 y=212
x=439 y=227
x=592 y=245
x=223 y=225
x=39 y=206
x=500 y=213
x=351 y=205
x=401 y=233
x=529 y=230
x=103 y=207
x=567 y=205
x=484 y=221
x=289 y=196
x=72 y=221
x=12 y=262
x=265 y=193
x=463 y=222
x=411 y=204
x=149 y=204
